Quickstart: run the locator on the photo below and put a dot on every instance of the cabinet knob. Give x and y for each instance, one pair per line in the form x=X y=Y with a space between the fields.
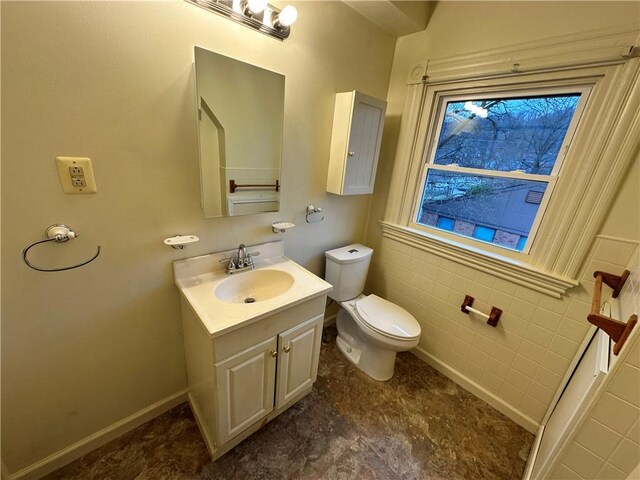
x=287 y=349
x=274 y=353
x=351 y=154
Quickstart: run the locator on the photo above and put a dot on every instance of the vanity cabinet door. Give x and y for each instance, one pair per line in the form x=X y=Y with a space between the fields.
x=245 y=388
x=298 y=352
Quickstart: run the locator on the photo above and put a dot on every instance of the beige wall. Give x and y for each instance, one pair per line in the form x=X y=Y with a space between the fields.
x=518 y=365
x=456 y=28
x=113 y=81
x=624 y=218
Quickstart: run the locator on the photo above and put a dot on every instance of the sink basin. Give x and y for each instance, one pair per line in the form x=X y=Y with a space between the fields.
x=218 y=300
x=254 y=286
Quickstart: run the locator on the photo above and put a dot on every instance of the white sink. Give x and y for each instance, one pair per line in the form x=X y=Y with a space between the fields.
x=219 y=300
x=254 y=286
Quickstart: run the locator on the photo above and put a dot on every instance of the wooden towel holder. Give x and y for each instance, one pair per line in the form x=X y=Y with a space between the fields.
x=618 y=331
x=233 y=185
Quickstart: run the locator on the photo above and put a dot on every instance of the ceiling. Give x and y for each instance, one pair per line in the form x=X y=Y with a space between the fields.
x=396 y=17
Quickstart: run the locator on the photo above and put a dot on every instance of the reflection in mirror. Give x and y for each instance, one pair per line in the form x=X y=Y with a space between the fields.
x=240 y=121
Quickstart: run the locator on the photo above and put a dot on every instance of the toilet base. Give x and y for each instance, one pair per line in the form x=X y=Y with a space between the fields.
x=353 y=354
x=373 y=360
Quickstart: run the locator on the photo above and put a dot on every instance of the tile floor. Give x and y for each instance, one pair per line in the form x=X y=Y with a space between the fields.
x=419 y=425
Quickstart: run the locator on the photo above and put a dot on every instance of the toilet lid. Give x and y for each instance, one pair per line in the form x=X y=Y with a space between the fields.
x=387 y=318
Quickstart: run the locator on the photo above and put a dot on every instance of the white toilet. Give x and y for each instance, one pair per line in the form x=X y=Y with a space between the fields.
x=371 y=330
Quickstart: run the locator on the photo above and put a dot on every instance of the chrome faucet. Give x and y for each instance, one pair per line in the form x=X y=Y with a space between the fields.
x=243 y=258
x=241 y=262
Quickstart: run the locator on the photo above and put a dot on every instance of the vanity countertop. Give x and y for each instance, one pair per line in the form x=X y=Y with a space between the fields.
x=198 y=278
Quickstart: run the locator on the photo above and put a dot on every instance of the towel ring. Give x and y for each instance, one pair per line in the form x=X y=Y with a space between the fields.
x=310 y=211
x=58 y=233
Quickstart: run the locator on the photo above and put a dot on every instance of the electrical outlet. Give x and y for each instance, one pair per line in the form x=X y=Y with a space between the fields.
x=76 y=175
x=76 y=171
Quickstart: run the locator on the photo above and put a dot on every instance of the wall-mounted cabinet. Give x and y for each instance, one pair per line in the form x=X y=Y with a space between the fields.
x=355 y=143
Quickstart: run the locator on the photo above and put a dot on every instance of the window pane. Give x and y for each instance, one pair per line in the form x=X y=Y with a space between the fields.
x=506 y=134
x=484 y=233
x=521 y=243
x=445 y=223
x=477 y=203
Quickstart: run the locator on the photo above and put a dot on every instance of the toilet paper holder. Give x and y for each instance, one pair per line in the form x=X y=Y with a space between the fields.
x=492 y=318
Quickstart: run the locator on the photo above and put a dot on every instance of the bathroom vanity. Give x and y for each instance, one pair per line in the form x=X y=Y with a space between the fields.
x=248 y=362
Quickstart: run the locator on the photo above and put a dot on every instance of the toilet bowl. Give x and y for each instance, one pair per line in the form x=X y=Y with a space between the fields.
x=371 y=330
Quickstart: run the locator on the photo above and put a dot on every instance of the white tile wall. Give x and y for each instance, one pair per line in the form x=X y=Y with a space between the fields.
x=523 y=360
x=607 y=443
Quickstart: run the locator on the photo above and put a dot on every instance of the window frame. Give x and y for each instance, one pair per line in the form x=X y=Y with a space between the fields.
x=593 y=171
x=442 y=98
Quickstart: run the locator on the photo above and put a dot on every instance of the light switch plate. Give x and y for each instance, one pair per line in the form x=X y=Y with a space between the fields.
x=68 y=182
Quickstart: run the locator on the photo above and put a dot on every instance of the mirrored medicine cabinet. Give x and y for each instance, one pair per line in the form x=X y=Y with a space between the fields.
x=240 y=121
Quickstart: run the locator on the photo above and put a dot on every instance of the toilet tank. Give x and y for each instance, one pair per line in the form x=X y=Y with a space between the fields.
x=346 y=270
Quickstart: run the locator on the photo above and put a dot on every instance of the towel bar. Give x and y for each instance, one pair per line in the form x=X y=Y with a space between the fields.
x=233 y=185
x=618 y=331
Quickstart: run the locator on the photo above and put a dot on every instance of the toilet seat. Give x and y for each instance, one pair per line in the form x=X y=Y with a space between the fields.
x=387 y=319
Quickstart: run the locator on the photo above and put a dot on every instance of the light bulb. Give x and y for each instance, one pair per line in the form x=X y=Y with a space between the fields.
x=256 y=6
x=287 y=16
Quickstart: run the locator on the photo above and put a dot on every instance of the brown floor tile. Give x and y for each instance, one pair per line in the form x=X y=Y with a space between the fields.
x=418 y=425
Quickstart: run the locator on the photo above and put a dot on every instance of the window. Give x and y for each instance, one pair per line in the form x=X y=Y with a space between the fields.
x=564 y=190
x=495 y=164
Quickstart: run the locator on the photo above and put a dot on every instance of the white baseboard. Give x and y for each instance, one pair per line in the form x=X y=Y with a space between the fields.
x=95 y=440
x=330 y=320
x=533 y=454
x=479 y=391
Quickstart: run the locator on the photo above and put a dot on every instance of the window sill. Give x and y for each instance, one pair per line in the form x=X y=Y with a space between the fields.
x=503 y=267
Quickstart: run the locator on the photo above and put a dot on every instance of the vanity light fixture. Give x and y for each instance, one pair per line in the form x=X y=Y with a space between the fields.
x=254 y=7
x=255 y=14
x=287 y=17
